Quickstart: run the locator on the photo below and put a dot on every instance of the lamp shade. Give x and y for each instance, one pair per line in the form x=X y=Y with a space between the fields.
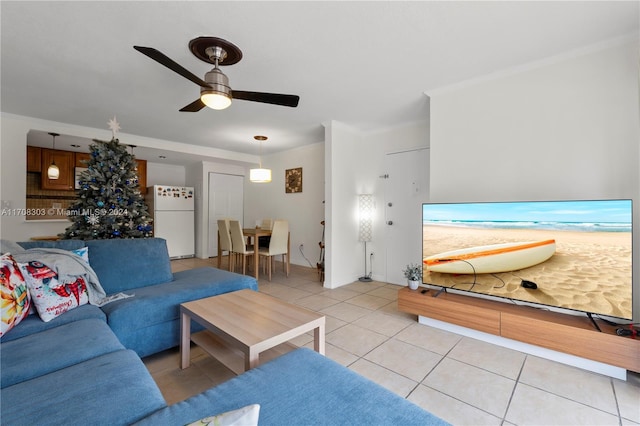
x=365 y=216
x=53 y=172
x=215 y=100
x=260 y=175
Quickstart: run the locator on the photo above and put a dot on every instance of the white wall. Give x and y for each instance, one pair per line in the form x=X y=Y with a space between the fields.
x=354 y=162
x=377 y=145
x=566 y=130
x=166 y=174
x=304 y=211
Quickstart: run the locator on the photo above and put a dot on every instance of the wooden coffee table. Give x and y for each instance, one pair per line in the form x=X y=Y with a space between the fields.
x=248 y=321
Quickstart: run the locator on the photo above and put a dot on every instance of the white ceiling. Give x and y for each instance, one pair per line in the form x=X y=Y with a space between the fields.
x=366 y=64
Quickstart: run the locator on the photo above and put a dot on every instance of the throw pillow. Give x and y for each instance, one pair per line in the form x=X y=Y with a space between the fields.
x=83 y=253
x=15 y=301
x=245 y=416
x=51 y=297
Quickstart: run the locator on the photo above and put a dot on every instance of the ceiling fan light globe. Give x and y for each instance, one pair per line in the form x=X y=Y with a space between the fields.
x=260 y=175
x=53 y=172
x=215 y=100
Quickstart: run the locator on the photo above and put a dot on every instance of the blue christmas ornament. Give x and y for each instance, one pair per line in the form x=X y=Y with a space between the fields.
x=100 y=204
x=116 y=232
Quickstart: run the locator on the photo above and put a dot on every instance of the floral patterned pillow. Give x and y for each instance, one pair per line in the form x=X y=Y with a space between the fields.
x=51 y=297
x=15 y=300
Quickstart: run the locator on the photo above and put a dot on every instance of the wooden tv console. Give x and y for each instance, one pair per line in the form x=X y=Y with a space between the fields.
x=571 y=334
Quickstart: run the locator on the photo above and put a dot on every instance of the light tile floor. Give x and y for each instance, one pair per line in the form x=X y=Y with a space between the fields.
x=462 y=380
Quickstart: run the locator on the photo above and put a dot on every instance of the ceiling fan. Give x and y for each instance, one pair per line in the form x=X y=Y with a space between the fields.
x=215 y=91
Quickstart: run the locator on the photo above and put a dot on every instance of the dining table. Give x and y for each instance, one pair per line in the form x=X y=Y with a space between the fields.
x=253 y=234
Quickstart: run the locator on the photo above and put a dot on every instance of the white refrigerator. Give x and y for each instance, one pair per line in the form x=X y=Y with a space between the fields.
x=172 y=208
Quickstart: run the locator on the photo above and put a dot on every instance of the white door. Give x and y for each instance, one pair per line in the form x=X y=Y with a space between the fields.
x=406 y=188
x=226 y=200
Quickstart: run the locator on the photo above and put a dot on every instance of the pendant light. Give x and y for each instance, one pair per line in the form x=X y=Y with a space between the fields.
x=260 y=175
x=53 y=172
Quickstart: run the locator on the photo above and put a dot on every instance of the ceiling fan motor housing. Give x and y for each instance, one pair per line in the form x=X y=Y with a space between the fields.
x=217 y=81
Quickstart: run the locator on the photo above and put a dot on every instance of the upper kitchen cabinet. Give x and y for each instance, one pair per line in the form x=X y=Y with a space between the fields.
x=34 y=158
x=65 y=160
x=142 y=175
x=82 y=158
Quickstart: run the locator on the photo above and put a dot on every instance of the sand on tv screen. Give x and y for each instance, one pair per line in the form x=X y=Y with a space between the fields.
x=570 y=254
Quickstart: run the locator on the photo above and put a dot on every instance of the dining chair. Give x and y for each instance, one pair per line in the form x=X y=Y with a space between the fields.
x=239 y=245
x=263 y=242
x=225 y=240
x=277 y=245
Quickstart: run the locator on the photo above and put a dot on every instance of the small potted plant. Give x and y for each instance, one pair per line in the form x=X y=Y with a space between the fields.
x=413 y=273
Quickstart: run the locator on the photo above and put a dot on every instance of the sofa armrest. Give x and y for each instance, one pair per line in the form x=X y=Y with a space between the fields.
x=301 y=387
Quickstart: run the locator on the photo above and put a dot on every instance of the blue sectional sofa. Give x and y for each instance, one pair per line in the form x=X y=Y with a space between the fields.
x=85 y=367
x=149 y=322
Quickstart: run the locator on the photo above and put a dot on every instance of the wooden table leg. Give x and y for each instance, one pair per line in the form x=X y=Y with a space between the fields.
x=251 y=359
x=288 y=252
x=256 y=256
x=318 y=339
x=220 y=252
x=185 y=340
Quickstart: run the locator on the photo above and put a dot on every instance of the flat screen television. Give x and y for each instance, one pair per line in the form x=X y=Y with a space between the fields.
x=573 y=255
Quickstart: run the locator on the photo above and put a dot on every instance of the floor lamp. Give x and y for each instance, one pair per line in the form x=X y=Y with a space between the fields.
x=365 y=220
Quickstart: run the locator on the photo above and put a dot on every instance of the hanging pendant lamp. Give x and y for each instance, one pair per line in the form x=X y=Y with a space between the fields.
x=260 y=175
x=53 y=172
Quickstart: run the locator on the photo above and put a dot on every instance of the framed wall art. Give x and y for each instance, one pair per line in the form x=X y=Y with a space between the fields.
x=293 y=180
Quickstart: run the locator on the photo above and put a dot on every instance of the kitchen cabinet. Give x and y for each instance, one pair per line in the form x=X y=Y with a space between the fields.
x=34 y=158
x=39 y=159
x=142 y=175
x=81 y=158
x=65 y=161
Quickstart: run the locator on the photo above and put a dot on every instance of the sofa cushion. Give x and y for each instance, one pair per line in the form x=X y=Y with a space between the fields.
x=112 y=389
x=61 y=244
x=8 y=246
x=160 y=303
x=50 y=350
x=33 y=323
x=16 y=301
x=301 y=388
x=126 y=264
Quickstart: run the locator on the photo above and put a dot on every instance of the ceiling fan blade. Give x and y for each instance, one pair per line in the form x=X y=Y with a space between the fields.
x=163 y=59
x=267 y=98
x=194 y=106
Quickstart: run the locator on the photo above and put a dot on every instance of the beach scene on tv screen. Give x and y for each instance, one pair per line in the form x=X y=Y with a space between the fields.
x=577 y=253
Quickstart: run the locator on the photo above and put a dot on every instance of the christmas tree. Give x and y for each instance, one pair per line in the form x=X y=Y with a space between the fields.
x=109 y=201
